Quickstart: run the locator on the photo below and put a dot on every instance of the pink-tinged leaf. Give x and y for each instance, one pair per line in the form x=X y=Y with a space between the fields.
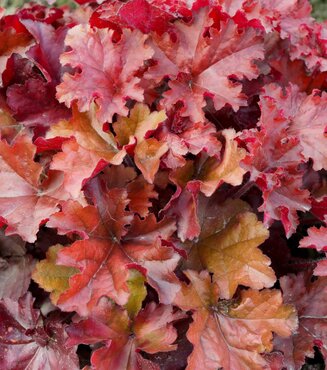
x=283 y=196
x=231 y=6
x=269 y=150
x=206 y=63
x=147 y=16
x=24 y=201
x=26 y=342
x=110 y=80
x=192 y=98
x=321 y=269
x=183 y=136
x=306 y=38
x=170 y=131
x=317 y=239
x=310 y=300
x=302 y=117
x=201 y=136
x=270 y=146
x=106 y=321
x=79 y=165
x=267 y=13
x=295 y=72
x=309 y=126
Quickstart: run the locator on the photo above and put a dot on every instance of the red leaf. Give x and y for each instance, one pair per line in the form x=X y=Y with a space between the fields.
x=139 y=14
x=34 y=103
x=152 y=332
x=139 y=194
x=319 y=208
x=145 y=15
x=13 y=37
x=110 y=250
x=198 y=58
x=26 y=341
x=41 y=13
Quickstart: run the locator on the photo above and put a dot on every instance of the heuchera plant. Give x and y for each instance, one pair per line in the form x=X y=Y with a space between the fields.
x=163 y=193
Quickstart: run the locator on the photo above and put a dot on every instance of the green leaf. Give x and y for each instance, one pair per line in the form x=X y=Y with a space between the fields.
x=137 y=292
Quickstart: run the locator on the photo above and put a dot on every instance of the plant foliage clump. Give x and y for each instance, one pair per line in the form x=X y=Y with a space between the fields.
x=163 y=193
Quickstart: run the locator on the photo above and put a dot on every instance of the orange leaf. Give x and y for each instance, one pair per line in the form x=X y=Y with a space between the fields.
x=138 y=124
x=232 y=254
x=210 y=172
x=229 y=334
x=147 y=157
x=213 y=173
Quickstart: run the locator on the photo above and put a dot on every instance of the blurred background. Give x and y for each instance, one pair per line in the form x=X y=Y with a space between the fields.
x=12 y=4
x=319 y=6
x=319 y=9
